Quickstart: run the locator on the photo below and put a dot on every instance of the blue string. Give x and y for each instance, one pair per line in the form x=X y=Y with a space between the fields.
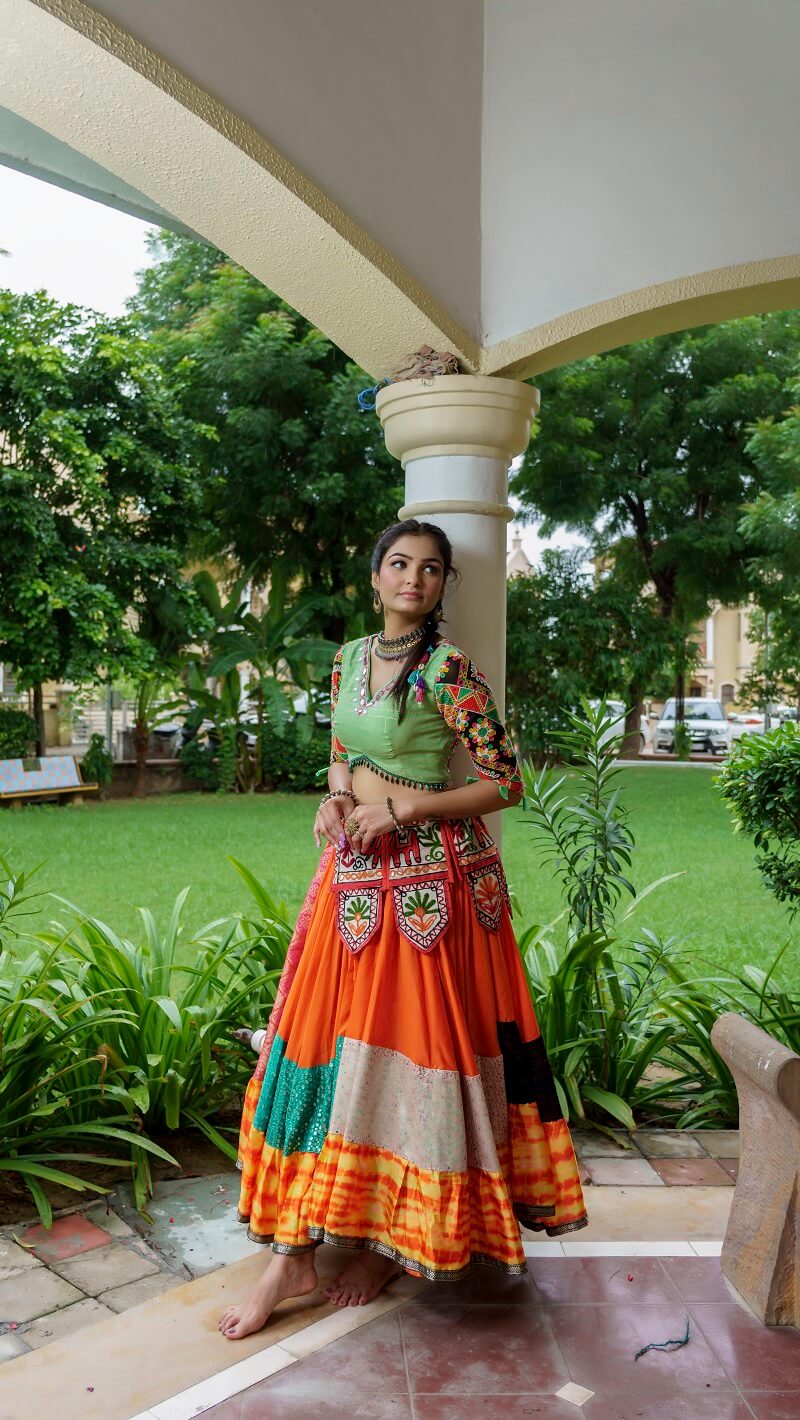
x=662 y=1345
x=371 y=394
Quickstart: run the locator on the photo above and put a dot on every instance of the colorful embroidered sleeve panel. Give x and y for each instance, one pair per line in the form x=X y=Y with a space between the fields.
x=465 y=700
x=338 y=751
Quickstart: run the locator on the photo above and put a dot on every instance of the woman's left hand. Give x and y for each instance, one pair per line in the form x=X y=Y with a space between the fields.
x=374 y=819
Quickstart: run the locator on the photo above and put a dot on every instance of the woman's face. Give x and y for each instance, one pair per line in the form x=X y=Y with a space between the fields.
x=411 y=576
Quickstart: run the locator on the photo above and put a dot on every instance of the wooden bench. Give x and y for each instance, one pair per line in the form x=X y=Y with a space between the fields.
x=761 y=1251
x=52 y=776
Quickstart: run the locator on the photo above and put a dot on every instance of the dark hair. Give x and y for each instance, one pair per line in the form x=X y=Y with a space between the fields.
x=412 y=528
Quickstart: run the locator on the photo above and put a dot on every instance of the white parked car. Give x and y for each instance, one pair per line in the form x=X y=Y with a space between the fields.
x=746 y=722
x=705 y=721
x=751 y=722
x=617 y=708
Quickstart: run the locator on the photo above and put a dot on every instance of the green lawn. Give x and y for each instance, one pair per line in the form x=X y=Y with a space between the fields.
x=110 y=858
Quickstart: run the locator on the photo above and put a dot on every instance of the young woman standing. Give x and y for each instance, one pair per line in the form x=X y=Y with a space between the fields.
x=403 y=1105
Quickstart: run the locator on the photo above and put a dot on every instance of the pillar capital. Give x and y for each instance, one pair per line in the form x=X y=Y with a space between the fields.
x=472 y=415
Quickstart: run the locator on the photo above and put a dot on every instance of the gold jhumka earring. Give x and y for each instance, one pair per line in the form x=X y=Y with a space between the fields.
x=377 y=604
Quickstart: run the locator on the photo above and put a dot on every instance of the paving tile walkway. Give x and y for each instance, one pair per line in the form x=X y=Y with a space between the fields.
x=87 y=1267
x=559 y=1343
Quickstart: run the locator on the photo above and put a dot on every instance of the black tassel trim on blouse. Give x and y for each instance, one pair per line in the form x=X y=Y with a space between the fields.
x=394 y=778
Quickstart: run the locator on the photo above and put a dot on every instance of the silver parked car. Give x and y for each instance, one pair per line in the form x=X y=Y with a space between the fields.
x=705 y=720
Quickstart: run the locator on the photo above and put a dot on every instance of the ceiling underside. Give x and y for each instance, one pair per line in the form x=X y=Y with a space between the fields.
x=523 y=181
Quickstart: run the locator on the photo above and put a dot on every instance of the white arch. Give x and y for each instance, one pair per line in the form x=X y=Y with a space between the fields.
x=74 y=73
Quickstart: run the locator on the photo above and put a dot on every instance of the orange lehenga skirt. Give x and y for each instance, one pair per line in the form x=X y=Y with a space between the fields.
x=403 y=1100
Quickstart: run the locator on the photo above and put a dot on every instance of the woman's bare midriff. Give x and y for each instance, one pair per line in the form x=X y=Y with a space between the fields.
x=371 y=788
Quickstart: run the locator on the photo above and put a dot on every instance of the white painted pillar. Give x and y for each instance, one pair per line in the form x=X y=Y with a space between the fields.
x=456 y=436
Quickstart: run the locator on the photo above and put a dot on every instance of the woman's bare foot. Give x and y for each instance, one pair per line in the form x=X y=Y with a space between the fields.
x=284 y=1276
x=362 y=1279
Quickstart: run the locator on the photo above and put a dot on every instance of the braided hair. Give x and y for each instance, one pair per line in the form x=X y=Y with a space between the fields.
x=411 y=527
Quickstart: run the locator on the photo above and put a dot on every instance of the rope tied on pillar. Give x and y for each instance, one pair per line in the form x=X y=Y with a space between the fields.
x=425 y=364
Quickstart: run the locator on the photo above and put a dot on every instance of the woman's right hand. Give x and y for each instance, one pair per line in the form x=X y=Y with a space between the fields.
x=329 y=822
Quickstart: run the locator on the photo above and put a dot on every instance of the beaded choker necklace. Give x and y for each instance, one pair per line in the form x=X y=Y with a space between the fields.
x=395 y=648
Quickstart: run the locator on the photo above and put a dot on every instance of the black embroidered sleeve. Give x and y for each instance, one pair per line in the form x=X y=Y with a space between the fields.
x=465 y=700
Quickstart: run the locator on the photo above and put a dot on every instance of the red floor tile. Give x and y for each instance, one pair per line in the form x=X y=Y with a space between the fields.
x=579 y=1280
x=730 y=1166
x=480 y=1350
x=68 y=1237
x=710 y=1405
x=599 y=1345
x=699 y=1279
x=366 y=1361
x=487 y=1286
x=691 y=1171
x=781 y=1406
x=757 y=1357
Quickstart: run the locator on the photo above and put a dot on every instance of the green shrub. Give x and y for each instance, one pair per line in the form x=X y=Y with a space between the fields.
x=601 y=1019
x=17 y=733
x=97 y=765
x=53 y=1102
x=291 y=760
x=102 y=1038
x=609 y=1008
x=169 y=1050
x=199 y=762
x=760 y=781
x=53 y=1099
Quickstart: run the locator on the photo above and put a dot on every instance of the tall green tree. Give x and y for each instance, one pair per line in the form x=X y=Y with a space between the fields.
x=99 y=497
x=646 y=450
x=571 y=634
x=771 y=523
x=775 y=672
x=298 y=482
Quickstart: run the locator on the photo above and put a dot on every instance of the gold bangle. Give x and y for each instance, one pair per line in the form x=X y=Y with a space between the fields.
x=337 y=794
x=393 y=816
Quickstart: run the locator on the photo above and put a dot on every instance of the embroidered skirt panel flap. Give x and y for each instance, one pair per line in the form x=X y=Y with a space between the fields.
x=417 y=867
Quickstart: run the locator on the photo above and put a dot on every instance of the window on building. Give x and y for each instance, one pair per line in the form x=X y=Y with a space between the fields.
x=727 y=693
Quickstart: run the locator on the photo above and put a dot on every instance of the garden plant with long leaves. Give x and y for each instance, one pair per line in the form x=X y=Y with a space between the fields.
x=602 y=1004
x=106 y=1038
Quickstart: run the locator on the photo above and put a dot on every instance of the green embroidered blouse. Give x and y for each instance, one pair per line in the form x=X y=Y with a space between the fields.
x=457 y=704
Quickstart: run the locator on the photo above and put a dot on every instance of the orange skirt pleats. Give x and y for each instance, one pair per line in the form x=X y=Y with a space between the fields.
x=391 y=1110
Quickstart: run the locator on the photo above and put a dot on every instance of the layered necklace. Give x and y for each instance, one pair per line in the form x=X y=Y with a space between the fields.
x=396 y=648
